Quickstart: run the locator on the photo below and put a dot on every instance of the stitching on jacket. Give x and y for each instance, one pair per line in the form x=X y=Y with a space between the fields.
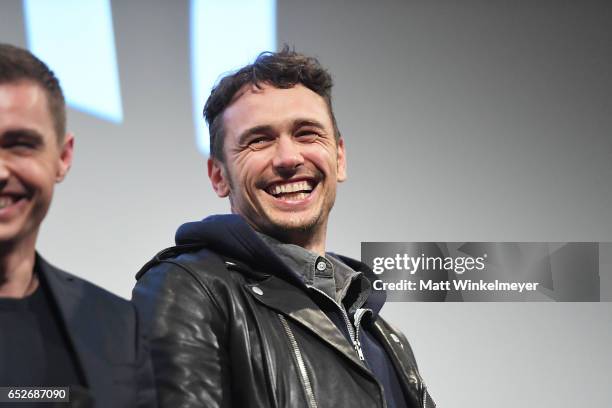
x=266 y=355
x=310 y=398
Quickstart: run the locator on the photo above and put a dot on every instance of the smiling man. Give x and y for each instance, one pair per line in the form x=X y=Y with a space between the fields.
x=55 y=329
x=280 y=162
x=248 y=309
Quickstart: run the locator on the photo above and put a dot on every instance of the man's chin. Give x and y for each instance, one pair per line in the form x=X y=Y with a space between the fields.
x=9 y=239
x=18 y=232
x=286 y=226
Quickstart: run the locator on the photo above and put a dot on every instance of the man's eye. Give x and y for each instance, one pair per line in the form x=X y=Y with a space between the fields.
x=260 y=142
x=307 y=136
x=20 y=145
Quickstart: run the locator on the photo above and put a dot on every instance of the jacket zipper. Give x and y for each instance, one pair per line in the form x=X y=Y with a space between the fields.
x=356 y=344
x=347 y=322
x=312 y=402
x=358 y=315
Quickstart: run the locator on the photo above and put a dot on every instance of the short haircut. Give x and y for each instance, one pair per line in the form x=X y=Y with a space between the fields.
x=283 y=69
x=17 y=64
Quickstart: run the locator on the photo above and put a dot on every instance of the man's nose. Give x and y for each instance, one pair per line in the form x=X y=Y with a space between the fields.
x=288 y=155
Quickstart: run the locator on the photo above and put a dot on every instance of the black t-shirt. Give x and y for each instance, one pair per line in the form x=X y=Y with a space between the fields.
x=34 y=347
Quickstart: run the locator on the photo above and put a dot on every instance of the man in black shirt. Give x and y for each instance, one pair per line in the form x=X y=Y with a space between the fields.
x=55 y=329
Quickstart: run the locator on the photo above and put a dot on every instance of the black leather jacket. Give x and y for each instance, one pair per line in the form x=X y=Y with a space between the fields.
x=224 y=334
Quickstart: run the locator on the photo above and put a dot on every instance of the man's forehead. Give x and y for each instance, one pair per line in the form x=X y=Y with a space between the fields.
x=25 y=105
x=254 y=104
x=22 y=92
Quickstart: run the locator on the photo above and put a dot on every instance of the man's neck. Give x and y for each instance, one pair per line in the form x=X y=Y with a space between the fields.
x=316 y=246
x=313 y=241
x=17 y=279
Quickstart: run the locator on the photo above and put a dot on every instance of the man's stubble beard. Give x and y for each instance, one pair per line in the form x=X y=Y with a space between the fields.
x=288 y=232
x=285 y=230
x=280 y=226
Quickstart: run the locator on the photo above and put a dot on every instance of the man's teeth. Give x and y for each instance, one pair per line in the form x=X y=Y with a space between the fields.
x=292 y=188
x=296 y=196
x=5 y=201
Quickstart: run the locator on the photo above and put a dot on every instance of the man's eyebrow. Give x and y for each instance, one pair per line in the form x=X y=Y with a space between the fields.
x=29 y=135
x=307 y=122
x=263 y=129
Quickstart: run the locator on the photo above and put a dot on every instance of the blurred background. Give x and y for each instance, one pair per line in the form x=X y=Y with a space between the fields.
x=464 y=121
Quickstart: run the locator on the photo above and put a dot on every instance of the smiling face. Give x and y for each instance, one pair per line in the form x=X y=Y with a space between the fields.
x=31 y=160
x=281 y=161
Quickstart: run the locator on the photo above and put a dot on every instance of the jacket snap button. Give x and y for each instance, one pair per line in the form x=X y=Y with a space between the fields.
x=321 y=266
x=257 y=290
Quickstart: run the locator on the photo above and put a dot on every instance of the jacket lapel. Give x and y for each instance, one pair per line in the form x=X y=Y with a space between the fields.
x=293 y=303
x=67 y=292
x=408 y=372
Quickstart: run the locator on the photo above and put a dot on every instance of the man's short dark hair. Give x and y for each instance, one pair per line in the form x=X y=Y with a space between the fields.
x=283 y=69
x=17 y=64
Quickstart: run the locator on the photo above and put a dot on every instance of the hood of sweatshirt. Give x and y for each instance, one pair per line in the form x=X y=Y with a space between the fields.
x=231 y=236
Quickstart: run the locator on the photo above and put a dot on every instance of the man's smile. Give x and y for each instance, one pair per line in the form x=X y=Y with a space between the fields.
x=292 y=190
x=10 y=203
x=10 y=198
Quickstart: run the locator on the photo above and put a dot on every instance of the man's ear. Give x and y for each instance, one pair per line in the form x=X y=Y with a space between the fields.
x=218 y=177
x=341 y=161
x=65 y=157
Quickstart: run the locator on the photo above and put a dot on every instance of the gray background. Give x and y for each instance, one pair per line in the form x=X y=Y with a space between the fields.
x=464 y=121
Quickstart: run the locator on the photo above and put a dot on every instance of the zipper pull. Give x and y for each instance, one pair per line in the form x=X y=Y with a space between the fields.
x=358 y=315
x=358 y=349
